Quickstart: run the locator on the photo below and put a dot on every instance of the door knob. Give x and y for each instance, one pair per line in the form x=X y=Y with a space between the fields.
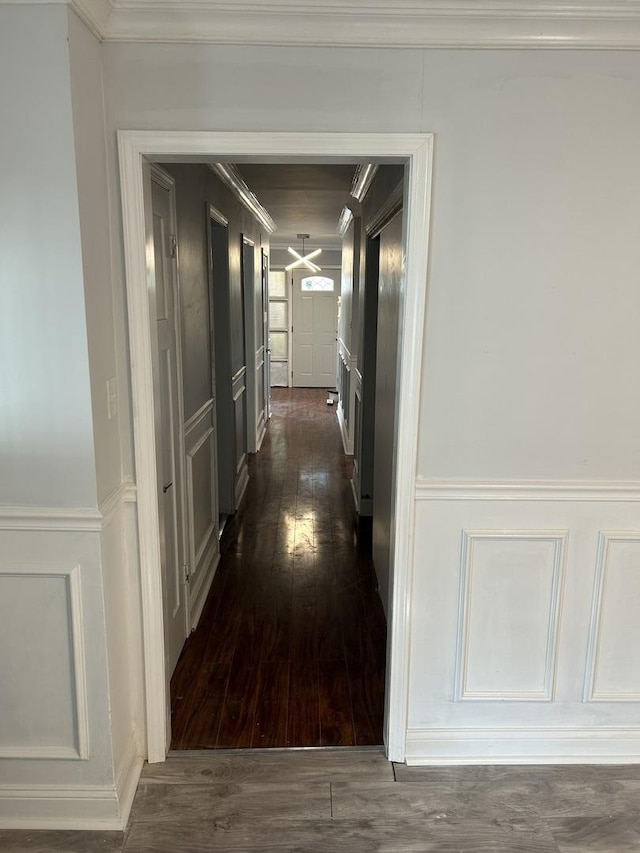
x=167 y=487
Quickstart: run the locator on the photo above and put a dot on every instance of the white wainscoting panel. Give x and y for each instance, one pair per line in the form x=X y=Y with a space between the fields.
x=41 y=609
x=613 y=660
x=510 y=593
x=56 y=747
x=524 y=624
x=202 y=506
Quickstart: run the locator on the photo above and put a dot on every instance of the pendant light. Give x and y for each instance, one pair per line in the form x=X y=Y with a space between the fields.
x=303 y=260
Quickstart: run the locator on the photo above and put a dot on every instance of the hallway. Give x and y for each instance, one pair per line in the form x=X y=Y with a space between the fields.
x=290 y=648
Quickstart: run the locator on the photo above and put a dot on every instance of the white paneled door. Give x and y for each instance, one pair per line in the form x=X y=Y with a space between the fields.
x=167 y=423
x=314 y=329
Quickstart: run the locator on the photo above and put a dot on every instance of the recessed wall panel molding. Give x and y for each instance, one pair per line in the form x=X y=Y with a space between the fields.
x=197 y=417
x=509 y=614
x=200 y=502
x=613 y=664
x=42 y=664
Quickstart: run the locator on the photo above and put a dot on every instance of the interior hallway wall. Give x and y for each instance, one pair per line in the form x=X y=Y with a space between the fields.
x=56 y=760
x=116 y=494
x=530 y=350
x=197 y=186
x=534 y=187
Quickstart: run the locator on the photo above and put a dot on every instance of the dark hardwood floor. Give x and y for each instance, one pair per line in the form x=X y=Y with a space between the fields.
x=290 y=648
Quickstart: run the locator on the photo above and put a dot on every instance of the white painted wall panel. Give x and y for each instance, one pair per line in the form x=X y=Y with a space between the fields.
x=510 y=589
x=39 y=715
x=613 y=662
x=53 y=663
x=446 y=726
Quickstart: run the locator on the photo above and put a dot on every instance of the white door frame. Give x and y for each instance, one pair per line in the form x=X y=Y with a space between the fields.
x=134 y=148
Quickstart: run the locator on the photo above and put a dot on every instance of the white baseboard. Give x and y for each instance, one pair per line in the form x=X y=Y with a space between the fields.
x=59 y=807
x=197 y=605
x=347 y=440
x=241 y=484
x=90 y=807
x=127 y=778
x=539 y=745
x=262 y=430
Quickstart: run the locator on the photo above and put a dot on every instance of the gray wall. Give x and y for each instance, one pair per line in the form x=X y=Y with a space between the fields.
x=197 y=186
x=385 y=439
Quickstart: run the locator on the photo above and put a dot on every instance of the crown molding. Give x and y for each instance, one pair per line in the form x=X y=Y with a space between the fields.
x=586 y=24
x=229 y=175
x=96 y=14
x=345 y=220
x=362 y=180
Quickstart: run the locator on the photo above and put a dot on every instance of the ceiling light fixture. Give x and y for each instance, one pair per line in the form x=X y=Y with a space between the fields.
x=303 y=260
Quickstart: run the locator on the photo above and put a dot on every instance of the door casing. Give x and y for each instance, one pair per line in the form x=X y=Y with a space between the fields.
x=135 y=148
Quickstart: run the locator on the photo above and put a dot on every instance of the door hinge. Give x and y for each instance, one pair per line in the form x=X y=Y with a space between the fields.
x=187 y=576
x=173 y=245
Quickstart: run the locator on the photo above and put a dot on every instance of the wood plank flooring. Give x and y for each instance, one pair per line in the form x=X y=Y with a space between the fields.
x=354 y=801
x=290 y=649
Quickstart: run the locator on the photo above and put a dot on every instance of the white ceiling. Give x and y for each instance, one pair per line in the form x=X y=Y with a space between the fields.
x=360 y=23
x=302 y=198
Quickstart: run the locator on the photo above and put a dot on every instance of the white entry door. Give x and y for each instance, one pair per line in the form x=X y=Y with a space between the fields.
x=167 y=421
x=314 y=329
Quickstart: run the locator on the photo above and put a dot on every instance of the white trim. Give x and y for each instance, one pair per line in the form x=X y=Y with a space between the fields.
x=469 y=538
x=199 y=593
x=231 y=177
x=134 y=229
x=217 y=216
x=417 y=209
x=526 y=490
x=515 y=745
x=371 y=23
x=347 y=441
x=262 y=429
x=362 y=180
x=242 y=480
x=94 y=13
x=81 y=751
x=595 y=627
x=90 y=807
x=127 y=777
x=41 y=519
x=196 y=550
x=344 y=220
x=238 y=374
x=193 y=421
x=416 y=150
x=123 y=493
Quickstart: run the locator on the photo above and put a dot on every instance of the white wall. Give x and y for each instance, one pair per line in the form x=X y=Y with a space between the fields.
x=56 y=762
x=46 y=443
x=530 y=356
x=119 y=559
x=534 y=223
x=94 y=202
x=532 y=321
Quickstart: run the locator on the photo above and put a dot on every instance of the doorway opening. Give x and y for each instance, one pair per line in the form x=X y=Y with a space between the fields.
x=415 y=150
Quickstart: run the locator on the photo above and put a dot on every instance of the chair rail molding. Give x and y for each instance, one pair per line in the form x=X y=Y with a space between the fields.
x=526 y=490
x=574 y=24
x=41 y=518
